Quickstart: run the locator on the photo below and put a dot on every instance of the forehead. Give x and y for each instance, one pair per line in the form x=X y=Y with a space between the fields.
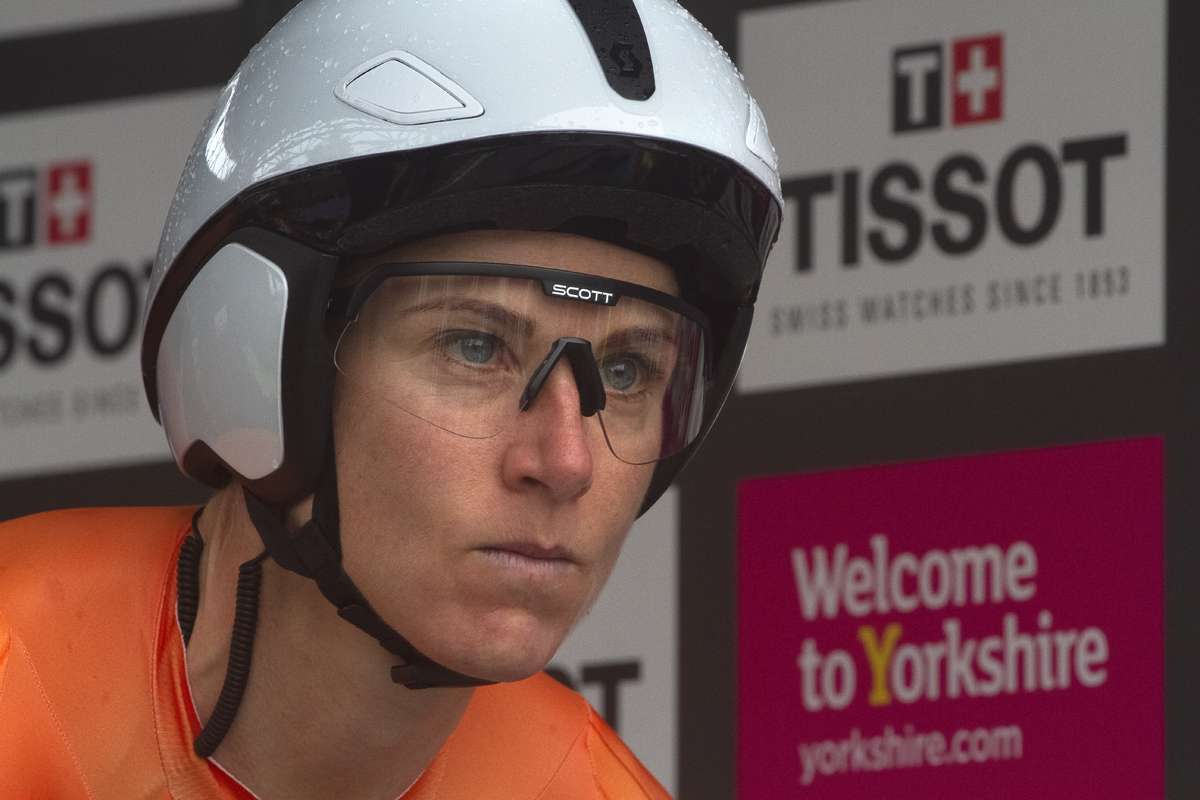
x=564 y=251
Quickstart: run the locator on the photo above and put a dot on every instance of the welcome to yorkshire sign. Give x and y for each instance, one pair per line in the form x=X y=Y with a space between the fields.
x=965 y=184
x=991 y=625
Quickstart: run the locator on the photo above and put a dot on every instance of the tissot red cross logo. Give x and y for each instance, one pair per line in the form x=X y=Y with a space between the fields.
x=977 y=79
x=974 y=85
x=68 y=202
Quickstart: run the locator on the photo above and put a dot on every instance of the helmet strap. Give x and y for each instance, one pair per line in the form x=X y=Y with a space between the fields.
x=314 y=551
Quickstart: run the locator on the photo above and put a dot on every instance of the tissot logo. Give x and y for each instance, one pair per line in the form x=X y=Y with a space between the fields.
x=53 y=206
x=976 y=83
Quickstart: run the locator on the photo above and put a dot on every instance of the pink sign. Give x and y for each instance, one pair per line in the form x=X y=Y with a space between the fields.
x=983 y=627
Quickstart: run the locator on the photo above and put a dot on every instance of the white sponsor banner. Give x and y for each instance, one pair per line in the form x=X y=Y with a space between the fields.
x=83 y=196
x=967 y=184
x=622 y=656
x=32 y=17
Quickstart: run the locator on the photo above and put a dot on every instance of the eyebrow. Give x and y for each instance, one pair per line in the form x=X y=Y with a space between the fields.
x=639 y=335
x=509 y=320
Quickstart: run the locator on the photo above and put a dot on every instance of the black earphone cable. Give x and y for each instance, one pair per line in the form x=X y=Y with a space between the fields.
x=241 y=644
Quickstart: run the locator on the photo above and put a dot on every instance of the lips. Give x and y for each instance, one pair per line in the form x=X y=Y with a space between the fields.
x=530 y=560
x=535 y=551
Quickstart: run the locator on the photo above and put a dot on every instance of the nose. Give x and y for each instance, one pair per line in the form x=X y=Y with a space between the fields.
x=551 y=445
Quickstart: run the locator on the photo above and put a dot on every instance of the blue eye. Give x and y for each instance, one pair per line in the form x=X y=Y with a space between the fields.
x=476 y=349
x=620 y=374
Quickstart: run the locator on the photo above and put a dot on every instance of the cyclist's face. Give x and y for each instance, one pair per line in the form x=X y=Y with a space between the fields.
x=484 y=552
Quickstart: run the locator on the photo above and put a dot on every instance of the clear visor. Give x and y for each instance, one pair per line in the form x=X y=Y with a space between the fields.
x=467 y=352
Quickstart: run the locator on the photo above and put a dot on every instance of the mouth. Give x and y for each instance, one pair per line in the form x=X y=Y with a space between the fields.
x=530 y=558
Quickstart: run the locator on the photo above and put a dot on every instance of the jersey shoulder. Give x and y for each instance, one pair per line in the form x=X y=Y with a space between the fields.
x=535 y=739
x=80 y=596
x=65 y=568
x=619 y=773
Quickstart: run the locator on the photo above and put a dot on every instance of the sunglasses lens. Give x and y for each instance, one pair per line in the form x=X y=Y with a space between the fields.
x=458 y=352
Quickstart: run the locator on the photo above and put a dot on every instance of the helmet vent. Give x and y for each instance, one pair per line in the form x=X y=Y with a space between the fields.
x=401 y=88
x=619 y=39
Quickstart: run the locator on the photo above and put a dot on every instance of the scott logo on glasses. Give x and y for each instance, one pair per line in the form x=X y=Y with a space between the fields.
x=583 y=293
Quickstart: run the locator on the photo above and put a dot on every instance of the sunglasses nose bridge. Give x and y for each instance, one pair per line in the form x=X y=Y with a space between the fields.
x=583 y=366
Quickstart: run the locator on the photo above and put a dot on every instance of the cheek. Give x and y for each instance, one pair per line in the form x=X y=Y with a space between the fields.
x=407 y=491
x=393 y=493
x=366 y=444
x=393 y=462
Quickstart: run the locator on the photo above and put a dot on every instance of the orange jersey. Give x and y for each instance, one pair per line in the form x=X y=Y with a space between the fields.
x=94 y=700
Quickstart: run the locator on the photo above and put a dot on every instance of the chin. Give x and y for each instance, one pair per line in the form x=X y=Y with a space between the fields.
x=503 y=658
x=511 y=674
x=499 y=669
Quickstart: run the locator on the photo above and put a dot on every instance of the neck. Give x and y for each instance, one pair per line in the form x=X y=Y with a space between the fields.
x=321 y=716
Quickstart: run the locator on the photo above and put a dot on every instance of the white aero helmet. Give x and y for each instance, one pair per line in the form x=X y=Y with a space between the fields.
x=355 y=125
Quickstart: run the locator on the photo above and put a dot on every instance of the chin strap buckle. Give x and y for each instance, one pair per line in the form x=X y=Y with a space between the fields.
x=409 y=675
